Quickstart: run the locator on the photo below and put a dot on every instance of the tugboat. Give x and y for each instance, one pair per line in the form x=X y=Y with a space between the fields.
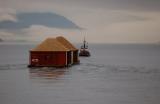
x=84 y=49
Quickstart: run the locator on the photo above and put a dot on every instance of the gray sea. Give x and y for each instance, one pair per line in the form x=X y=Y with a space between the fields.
x=114 y=74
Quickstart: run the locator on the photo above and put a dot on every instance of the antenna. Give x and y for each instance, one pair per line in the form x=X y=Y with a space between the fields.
x=84 y=40
x=84 y=43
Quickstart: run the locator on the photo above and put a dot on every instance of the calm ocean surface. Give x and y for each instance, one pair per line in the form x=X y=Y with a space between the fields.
x=114 y=74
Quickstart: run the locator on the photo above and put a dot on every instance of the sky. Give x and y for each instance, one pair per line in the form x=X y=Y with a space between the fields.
x=99 y=21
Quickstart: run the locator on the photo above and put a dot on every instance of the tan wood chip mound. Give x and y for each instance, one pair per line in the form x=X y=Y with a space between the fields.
x=50 y=44
x=66 y=43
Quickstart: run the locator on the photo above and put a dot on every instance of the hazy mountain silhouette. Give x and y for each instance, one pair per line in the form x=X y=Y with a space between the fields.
x=24 y=20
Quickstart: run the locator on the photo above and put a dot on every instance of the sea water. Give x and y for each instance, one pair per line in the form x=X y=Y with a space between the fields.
x=114 y=74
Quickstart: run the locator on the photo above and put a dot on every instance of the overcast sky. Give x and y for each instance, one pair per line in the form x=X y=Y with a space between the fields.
x=100 y=21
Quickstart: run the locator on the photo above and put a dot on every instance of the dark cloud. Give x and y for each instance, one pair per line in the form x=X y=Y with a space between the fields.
x=142 y=5
x=25 y=20
x=153 y=5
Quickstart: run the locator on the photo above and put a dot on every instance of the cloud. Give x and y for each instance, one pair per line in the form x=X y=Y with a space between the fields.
x=7 y=15
x=39 y=33
x=6 y=35
x=25 y=20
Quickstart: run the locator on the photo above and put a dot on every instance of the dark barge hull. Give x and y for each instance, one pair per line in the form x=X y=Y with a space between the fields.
x=84 y=53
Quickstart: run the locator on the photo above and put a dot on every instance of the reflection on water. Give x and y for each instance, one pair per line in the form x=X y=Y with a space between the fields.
x=47 y=73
